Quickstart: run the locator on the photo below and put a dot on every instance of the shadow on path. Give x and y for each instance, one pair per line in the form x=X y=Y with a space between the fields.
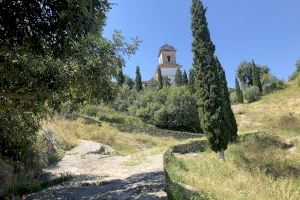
x=146 y=186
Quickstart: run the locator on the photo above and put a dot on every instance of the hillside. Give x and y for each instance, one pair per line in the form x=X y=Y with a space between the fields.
x=263 y=164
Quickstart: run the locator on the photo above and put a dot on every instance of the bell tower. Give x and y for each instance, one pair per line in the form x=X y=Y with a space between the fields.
x=167 y=62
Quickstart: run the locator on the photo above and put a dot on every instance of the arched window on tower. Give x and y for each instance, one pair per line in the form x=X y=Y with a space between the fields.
x=169 y=58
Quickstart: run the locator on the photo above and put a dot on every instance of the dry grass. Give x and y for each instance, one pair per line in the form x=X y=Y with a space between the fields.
x=69 y=134
x=265 y=164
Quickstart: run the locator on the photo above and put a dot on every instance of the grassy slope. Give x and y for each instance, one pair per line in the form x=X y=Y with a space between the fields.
x=265 y=164
x=69 y=134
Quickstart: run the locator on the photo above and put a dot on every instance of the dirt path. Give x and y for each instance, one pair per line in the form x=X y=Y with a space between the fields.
x=106 y=177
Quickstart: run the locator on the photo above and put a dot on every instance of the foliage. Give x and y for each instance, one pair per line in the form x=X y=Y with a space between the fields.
x=166 y=81
x=169 y=108
x=138 y=79
x=297 y=72
x=271 y=83
x=239 y=93
x=120 y=76
x=52 y=52
x=124 y=99
x=210 y=84
x=192 y=81
x=185 y=80
x=128 y=82
x=160 y=79
x=178 y=78
x=298 y=66
x=229 y=118
x=256 y=77
x=105 y=113
x=18 y=128
x=245 y=74
x=251 y=94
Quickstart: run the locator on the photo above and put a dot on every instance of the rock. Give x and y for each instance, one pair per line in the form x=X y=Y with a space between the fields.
x=106 y=150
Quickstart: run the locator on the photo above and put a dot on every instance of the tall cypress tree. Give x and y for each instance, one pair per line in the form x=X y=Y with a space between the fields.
x=160 y=79
x=138 y=80
x=192 y=81
x=229 y=117
x=238 y=91
x=256 y=77
x=210 y=85
x=185 y=80
x=178 y=77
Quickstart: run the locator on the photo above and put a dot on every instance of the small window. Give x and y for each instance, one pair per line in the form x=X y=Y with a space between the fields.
x=169 y=58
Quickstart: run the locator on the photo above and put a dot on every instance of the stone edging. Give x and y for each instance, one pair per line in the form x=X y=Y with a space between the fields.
x=176 y=190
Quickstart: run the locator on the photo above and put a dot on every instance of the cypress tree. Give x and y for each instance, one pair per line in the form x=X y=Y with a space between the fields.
x=166 y=81
x=178 y=77
x=238 y=91
x=138 y=80
x=185 y=80
x=160 y=79
x=192 y=81
x=120 y=76
x=229 y=117
x=210 y=84
x=256 y=77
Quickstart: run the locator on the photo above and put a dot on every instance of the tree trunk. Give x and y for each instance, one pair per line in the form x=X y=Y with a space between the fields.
x=222 y=155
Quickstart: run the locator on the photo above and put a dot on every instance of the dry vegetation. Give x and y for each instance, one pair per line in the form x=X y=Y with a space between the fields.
x=264 y=164
x=69 y=134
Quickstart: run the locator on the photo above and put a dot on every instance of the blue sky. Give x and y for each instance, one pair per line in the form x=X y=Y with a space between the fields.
x=267 y=31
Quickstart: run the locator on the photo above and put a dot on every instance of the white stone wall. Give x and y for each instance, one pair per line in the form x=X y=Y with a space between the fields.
x=170 y=73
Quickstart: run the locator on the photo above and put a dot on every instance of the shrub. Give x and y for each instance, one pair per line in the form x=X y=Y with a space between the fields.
x=124 y=99
x=271 y=83
x=169 y=108
x=251 y=94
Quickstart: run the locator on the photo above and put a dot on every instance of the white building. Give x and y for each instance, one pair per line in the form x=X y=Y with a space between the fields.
x=167 y=63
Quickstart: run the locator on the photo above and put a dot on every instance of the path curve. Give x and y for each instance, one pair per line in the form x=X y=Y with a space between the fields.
x=105 y=177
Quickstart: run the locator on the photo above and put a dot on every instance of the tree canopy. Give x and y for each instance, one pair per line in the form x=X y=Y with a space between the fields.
x=178 y=77
x=52 y=53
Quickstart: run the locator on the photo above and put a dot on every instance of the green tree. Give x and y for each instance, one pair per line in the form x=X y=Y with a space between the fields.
x=256 y=77
x=160 y=79
x=129 y=82
x=298 y=66
x=169 y=108
x=44 y=51
x=120 y=76
x=229 y=117
x=192 y=81
x=244 y=72
x=185 y=80
x=178 y=77
x=209 y=84
x=138 y=80
x=238 y=91
x=166 y=81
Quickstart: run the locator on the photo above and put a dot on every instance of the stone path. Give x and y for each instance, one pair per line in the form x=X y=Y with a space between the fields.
x=105 y=177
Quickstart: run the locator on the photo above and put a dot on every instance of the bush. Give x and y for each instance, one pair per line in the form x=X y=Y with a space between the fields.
x=169 y=108
x=251 y=94
x=18 y=130
x=124 y=99
x=271 y=83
